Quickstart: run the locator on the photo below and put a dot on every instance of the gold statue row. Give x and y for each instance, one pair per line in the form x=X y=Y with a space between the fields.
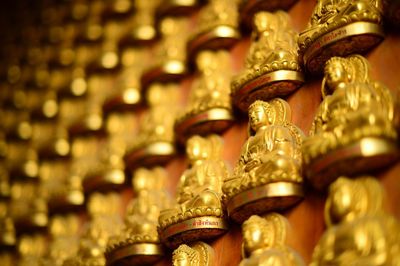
x=269 y=174
x=359 y=231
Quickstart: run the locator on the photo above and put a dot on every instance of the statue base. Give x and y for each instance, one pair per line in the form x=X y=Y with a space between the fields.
x=267 y=86
x=156 y=153
x=135 y=254
x=269 y=197
x=109 y=180
x=71 y=201
x=215 y=120
x=176 y=8
x=357 y=37
x=220 y=37
x=249 y=8
x=127 y=101
x=171 y=71
x=362 y=156
x=191 y=230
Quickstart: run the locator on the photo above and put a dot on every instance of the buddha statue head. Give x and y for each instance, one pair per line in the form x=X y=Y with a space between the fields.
x=202 y=148
x=340 y=71
x=261 y=113
x=351 y=199
x=197 y=254
x=266 y=21
x=185 y=256
x=145 y=179
x=260 y=233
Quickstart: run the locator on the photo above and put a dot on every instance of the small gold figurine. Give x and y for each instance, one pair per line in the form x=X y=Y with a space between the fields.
x=138 y=243
x=248 y=8
x=353 y=130
x=155 y=141
x=64 y=242
x=272 y=66
x=340 y=28
x=7 y=230
x=63 y=191
x=196 y=254
x=217 y=27
x=128 y=89
x=105 y=221
x=28 y=206
x=198 y=213
x=359 y=232
x=209 y=108
x=31 y=249
x=268 y=174
x=142 y=29
x=170 y=55
x=264 y=242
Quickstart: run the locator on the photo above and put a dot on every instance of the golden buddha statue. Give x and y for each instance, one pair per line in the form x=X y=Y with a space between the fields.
x=209 y=108
x=170 y=54
x=61 y=190
x=7 y=229
x=105 y=221
x=267 y=176
x=155 y=141
x=127 y=90
x=359 y=232
x=340 y=28
x=31 y=249
x=138 y=242
x=64 y=239
x=217 y=27
x=354 y=122
x=264 y=242
x=28 y=205
x=272 y=66
x=198 y=213
x=142 y=28
x=248 y=9
x=196 y=254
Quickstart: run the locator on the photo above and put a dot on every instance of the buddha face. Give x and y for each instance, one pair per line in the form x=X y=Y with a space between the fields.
x=181 y=259
x=264 y=21
x=336 y=75
x=255 y=238
x=197 y=149
x=258 y=117
x=341 y=199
